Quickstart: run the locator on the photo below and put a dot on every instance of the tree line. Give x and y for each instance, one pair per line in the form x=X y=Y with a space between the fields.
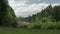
x=49 y=18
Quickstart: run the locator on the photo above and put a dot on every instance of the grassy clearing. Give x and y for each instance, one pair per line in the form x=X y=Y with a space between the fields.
x=10 y=30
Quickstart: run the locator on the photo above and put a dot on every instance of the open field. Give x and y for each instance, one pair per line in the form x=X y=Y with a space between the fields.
x=10 y=30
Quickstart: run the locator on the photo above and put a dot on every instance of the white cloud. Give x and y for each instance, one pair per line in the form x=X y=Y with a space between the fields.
x=30 y=9
x=55 y=4
x=21 y=8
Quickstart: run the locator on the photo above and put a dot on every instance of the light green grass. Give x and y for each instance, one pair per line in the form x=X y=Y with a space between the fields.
x=10 y=30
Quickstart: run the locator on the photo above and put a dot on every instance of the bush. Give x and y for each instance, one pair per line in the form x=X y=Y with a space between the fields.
x=31 y=25
x=44 y=26
x=49 y=25
x=58 y=25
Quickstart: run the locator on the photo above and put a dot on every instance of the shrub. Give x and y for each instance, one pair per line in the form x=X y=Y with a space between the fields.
x=31 y=25
x=58 y=25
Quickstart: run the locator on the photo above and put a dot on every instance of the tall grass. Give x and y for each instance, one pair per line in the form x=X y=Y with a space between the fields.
x=11 y=30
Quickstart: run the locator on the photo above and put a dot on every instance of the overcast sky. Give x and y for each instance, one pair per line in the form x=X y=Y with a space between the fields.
x=25 y=8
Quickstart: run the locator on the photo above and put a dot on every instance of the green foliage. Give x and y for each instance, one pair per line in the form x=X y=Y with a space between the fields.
x=47 y=19
x=31 y=25
x=21 y=19
x=7 y=15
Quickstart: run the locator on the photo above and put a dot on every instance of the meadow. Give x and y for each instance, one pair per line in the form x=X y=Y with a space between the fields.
x=11 y=30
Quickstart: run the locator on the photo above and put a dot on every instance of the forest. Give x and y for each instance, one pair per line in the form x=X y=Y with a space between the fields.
x=49 y=18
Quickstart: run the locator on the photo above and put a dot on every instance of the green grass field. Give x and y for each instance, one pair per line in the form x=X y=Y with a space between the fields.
x=10 y=30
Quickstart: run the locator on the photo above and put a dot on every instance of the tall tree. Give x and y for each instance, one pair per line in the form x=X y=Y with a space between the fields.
x=7 y=15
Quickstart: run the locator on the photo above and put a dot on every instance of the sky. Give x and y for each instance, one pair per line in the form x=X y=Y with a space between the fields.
x=25 y=8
